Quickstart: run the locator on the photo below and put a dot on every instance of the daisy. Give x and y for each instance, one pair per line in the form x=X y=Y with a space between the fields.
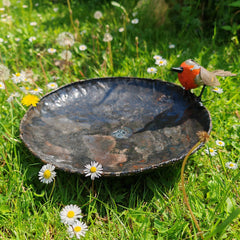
x=161 y=62
x=2 y=85
x=107 y=37
x=25 y=6
x=157 y=57
x=25 y=89
x=135 y=21
x=78 y=229
x=151 y=70
x=52 y=85
x=65 y=39
x=30 y=100
x=47 y=173
x=217 y=90
x=36 y=91
x=4 y=73
x=33 y=24
x=82 y=47
x=211 y=151
x=121 y=29
x=66 y=55
x=55 y=9
x=231 y=165
x=97 y=15
x=2 y=9
x=31 y=39
x=51 y=50
x=220 y=143
x=12 y=96
x=18 y=77
x=27 y=80
x=70 y=214
x=1 y=40
x=94 y=170
x=171 y=46
x=17 y=39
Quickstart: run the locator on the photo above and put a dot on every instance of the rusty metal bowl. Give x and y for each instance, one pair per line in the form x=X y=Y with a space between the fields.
x=129 y=125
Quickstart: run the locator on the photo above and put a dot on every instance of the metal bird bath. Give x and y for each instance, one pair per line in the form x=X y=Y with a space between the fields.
x=129 y=125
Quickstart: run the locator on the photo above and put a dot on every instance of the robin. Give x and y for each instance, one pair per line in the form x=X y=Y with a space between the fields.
x=191 y=75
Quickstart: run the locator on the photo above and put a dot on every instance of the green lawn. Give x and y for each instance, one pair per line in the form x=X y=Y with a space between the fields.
x=145 y=206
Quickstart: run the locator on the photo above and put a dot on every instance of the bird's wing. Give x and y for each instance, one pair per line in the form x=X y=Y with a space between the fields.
x=223 y=73
x=208 y=78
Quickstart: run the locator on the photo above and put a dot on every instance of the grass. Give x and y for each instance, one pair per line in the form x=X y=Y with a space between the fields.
x=146 y=206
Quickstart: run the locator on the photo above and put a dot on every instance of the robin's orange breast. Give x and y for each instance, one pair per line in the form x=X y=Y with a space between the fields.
x=188 y=75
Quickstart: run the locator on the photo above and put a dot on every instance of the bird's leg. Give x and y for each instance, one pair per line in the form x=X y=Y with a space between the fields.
x=200 y=95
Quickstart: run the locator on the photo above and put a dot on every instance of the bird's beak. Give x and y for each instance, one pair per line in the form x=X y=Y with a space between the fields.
x=177 y=69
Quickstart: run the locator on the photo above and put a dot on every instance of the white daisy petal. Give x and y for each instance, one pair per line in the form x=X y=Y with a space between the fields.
x=231 y=165
x=36 y=91
x=135 y=21
x=2 y=85
x=47 y=174
x=161 y=62
x=157 y=57
x=52 y=85
x=77 y=229
x=217 y=90
x=51 y=50
x=94 y=170
x=151 y=70
x=220 y=143
x=82 y=47
x=211 y=151
x=70 y=214
x=18 y=77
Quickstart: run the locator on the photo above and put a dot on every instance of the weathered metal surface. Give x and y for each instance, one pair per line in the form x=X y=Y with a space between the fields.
x=128 y=125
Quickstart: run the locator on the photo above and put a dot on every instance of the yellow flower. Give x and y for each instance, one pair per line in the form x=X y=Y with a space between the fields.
x=30 y=100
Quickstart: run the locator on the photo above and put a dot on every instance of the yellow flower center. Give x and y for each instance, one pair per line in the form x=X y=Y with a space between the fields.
x=70 y=214
x=93 y=169
x=211 y=150
x=231 y=165
x=47 y=174
x=18 y=74
x=35 y=89
x=77 y=229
